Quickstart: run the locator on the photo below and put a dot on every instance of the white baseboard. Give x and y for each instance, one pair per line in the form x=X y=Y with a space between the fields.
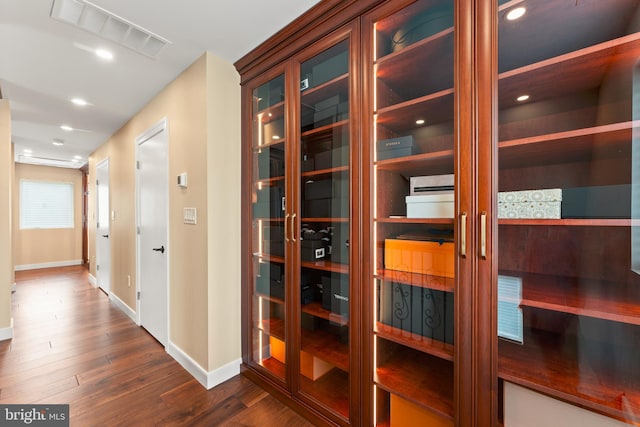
x=7 y=333
x=48 y=265
x=207 y=379
x=92 y=281
x=123 y=306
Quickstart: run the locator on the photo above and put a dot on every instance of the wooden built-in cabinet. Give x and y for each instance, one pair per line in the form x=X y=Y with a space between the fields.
x=363 y=303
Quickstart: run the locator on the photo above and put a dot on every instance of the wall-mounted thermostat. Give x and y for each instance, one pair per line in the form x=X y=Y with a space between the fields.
x=182 y=180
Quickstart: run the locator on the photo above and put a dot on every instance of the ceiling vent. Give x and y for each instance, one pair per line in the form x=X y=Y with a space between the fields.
x=96 y=20
x=45 y=161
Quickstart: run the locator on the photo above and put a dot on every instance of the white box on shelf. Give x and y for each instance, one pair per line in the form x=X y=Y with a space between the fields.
x=425 y=184
x=530 y=204
x=438 y=205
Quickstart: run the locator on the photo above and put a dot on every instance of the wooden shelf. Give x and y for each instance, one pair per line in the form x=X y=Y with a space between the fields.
x=316 y=309
x=578 y=144
x=328 y=172
x=598 y=299
x=569 y=73
x=447 y=221
x=325 y=219
x=322 y=130
x=326 y=346
x=439 y=283
x=397 y=70
x=572 y=222
x=417 y=164
x=422 y=379
x=273 y=109
x=418 y=342
x=269 y=144
x=274 y=366
x=268 y=257
x=269 y=298
x=434 y=108
x=318 y=93
x=272 y=326
x=331 y=390
x=333 y=267
x=552 y=366
x=268 y=180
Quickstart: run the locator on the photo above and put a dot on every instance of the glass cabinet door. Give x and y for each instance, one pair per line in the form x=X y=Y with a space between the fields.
x=568 y=181
x=413 y=204
x=324 y=228
x=268 y=320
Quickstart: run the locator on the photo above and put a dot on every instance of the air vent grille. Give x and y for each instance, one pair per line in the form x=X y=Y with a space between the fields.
x=96 y=20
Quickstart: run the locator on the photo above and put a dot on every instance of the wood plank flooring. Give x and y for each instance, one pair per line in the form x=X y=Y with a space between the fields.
x=72 y=346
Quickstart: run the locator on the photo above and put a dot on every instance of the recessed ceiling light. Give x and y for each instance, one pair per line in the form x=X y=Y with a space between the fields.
x=27 y=154
x=75 y=160
x=77 y=157
x=27 y=150
x=275 y=137
x=522 y=98
x=104 y=54
x=420 y=122
x=66 y=128
x=516 y=13
x=58 y=142
x=80 y=102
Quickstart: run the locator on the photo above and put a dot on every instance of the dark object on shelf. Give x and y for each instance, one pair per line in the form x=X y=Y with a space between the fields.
x=337 y=300
x=308 y=163
x=320 y=208
x=270 y=280
x=339 y=250
x=321 y=189
x=605 y=201
x=270 y=203
x=273 y=247
x=273 y=232
x=421 y=26
x=270 y=162
x=313 y=250
x=309 y=322
x=330 y=68
x=396 y=147
x=422 y=311
x=269 y=194
x=307 y=293
x=333 y=158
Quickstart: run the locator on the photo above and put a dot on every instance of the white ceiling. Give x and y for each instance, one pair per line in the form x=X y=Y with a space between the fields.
x=44 y=63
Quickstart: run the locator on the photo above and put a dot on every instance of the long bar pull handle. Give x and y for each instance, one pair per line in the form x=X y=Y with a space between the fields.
x=286 y=231
x=483 y=235
x=293 y=227
x=463 y=234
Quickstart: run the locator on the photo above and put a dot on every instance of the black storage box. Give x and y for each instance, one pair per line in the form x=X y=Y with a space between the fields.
x=333 y=158
x=396 y=147
x=269 y=194
x=273 y=288
x=606 y=201
x=337 y=299
x=312 y=250
x=320 y=208
x=270 y=162
x=308 y=163
x=340 y=244
x=271 y=270
x=321 y=189
x=273 y=247
x=273 y=232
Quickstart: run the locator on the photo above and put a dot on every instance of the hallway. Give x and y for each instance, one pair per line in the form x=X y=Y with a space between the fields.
x=71 y=346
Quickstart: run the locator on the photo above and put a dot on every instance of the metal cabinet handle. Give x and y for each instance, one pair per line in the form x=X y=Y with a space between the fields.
x=293 y=227
x=463 y=234
x=286 y=231
x=483 y=235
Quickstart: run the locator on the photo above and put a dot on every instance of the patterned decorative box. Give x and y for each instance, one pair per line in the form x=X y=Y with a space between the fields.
x=530 y=204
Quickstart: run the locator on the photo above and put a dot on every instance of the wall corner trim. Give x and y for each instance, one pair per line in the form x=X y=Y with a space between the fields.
x=7 y=333
x=207 y=379
x=123 y=307
x=92 y=280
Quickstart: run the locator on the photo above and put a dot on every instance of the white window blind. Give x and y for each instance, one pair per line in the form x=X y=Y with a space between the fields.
x=46 y=204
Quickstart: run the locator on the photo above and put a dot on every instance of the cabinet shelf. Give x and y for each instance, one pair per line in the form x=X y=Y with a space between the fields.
x=614 y=139
x=331 y=389
x=396 y=73
x=557 y=370
x=270 y=144
x=272 y=326
x=333 y=267
x=422 y=379
x=273 y=109
x=328 y=172
x=438 y=283
x=323 y=130
x=337 y=85
x=417 y=164
x=569 y=73
x=580 y=296
x=274 y=366
x=436 y=107
x=273 y=258
x=268 y=180
x=418 y=342
x=447 y=221
x=316 y=309
x=326 y=346
x=325 y=219
x=573 y=222
x=269 y=298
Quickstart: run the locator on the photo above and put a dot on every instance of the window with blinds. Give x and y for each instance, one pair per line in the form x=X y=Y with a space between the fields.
x=45 y=204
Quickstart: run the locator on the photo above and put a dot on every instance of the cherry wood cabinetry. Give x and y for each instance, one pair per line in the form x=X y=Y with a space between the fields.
x=545 y=296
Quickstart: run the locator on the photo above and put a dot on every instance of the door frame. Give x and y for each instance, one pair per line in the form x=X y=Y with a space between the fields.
x=159 y=127
x=102 y=163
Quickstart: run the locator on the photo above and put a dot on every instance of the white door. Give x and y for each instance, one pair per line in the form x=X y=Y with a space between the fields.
x=152 y=148
x=103 y=246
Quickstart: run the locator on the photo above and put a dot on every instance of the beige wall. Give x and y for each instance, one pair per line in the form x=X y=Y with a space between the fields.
x=47 y=246
x=193 y=281
x=6 y=257
x=223 y=158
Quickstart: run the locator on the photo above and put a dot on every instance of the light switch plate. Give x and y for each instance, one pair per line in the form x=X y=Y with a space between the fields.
x=190 y=216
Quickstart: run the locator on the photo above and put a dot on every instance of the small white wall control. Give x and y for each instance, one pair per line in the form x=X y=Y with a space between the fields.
x=190 y=216
x=182 y=180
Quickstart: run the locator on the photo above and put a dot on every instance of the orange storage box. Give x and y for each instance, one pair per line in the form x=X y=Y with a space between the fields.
x=417 y=256
x=406 y=414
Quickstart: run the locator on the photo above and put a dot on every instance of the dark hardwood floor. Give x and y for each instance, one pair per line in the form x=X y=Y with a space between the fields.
x=72 y=346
